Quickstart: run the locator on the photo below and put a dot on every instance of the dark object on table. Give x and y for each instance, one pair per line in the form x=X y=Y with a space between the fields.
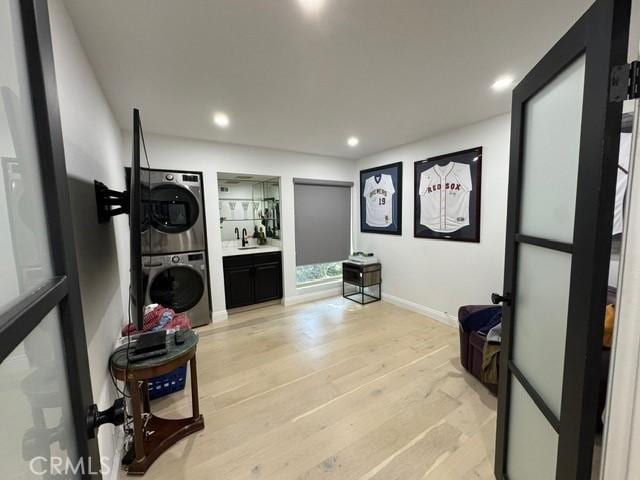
x=150 y=341
x=178 y=337
x=367 y=280
x=140 y=357
x=154 y=435
x=149 y=345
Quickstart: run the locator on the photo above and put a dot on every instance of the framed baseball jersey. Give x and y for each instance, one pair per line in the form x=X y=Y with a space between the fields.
x=447 y=196
x=381 y=199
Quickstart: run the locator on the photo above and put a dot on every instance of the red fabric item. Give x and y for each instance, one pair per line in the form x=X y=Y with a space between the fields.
x=180 y=321
x=152 y=319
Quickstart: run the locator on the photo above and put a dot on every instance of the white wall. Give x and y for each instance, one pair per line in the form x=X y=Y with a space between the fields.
x=622 y=433
x=93 y=145
x=167 y=152
x=438 y=276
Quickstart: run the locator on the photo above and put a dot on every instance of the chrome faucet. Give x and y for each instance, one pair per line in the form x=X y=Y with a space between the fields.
x=245 y=240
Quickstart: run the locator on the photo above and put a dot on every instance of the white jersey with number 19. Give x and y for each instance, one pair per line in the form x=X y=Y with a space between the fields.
x=378 y=193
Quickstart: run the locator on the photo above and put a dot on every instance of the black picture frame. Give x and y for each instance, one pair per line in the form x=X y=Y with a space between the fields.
x=466 y=233
x=395 y=171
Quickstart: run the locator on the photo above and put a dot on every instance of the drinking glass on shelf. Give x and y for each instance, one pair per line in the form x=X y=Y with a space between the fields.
x=245 y=207
x=232 y=206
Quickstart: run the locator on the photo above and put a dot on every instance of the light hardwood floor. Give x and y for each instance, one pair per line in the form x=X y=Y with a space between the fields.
x=332 y=390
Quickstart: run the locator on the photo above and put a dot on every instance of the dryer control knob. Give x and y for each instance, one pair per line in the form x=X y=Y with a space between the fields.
x=169 y=177
x=175 y=259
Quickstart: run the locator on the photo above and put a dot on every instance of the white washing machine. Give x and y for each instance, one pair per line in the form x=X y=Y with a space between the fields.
x=179 y=281
x=174 y=213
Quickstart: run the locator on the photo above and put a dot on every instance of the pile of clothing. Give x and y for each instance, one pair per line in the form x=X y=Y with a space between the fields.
x=487 y=323
x=157 y=317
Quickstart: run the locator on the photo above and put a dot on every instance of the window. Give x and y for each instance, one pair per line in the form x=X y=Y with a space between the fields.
x=320 y=272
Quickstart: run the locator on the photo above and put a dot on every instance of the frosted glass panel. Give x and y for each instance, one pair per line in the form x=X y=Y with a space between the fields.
x=540 y=325
x=552 y=120
x=533 y=443
x=36 y=407
x=25 y=261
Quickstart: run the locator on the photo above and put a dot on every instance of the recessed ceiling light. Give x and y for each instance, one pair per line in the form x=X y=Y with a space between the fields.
x=221 y=119
x=502 y=83
x=312 y=6
x=353 y=141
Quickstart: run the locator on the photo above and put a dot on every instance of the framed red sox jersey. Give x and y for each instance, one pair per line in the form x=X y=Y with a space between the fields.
x=447 y=196
x=381 y=199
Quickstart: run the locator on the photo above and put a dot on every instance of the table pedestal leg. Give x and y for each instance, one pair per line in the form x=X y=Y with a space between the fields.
x=146 y=408
x=138 y=422
x=195 y=402
x=153 y=435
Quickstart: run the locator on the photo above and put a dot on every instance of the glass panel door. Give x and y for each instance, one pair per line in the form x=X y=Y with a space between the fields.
x=542 y=302
x=564 y=150
x=552 y=122
x=24 y=242
x=44 y=376
x=37 y=407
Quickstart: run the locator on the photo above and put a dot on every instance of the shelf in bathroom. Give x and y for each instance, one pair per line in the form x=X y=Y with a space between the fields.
x=247 y=219
x=225 y=199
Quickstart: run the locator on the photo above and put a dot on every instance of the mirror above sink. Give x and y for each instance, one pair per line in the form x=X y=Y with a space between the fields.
x=249 y=208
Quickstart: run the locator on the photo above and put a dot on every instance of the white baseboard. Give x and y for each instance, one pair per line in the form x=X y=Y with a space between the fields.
x=311 y=296
x=114 y=474
x=442 y=317
x=219 y=316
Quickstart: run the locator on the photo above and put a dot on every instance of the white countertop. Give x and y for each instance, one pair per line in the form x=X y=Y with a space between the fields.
x=230 y=251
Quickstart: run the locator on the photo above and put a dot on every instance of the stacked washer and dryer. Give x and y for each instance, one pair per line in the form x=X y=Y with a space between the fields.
x=174 y=247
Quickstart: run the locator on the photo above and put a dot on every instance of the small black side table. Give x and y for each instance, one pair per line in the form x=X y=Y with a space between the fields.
x=362 y=277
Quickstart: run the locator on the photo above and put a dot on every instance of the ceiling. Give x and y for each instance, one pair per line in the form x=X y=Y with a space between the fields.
x=389 y=72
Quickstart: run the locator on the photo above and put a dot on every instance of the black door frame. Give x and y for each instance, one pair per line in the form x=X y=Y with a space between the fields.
x=63 y=290
x=601 y=34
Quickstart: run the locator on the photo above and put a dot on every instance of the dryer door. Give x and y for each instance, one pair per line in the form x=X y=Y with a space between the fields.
x=174 y=209
x=179 y=288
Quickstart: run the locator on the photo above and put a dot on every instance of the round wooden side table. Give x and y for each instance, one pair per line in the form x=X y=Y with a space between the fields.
x=153 y=435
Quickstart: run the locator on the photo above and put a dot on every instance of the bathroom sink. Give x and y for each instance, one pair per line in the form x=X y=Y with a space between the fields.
x=247 y=248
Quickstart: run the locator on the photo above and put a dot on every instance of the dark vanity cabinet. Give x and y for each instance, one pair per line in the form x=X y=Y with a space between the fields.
x=251 y=279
